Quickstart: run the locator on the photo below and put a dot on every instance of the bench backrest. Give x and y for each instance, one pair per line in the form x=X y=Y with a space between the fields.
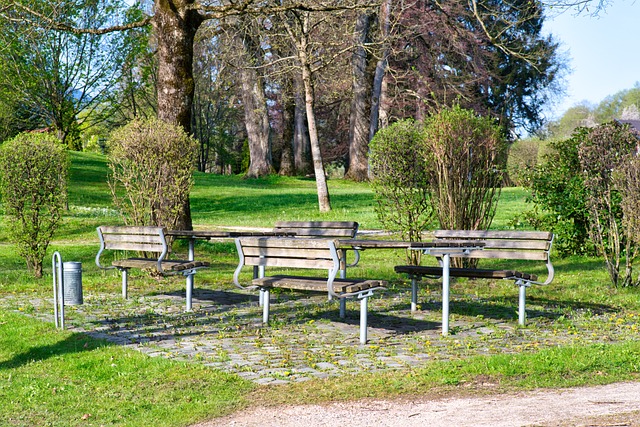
x=129 y=238
x=525 y=245
x=287 y=252
x=516 y=245
x=326 y=229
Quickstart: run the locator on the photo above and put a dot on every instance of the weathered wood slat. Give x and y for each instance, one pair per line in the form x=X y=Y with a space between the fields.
x=129 y=230
x=315 y=284
x=492 y=234
x=286 y=252
x=489 y=254
x=328 y=229
x=128 y=246
x=289 y=262
x=284 y=243
x=464 y=272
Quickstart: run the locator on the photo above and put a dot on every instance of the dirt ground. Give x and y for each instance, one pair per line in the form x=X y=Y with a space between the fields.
x=609 y=405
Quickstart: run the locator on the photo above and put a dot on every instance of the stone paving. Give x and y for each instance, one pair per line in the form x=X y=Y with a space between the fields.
x=306 y=338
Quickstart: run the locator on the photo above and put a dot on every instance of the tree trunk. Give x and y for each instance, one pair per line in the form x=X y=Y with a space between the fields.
x=287 y=167
x=255 y=109
x=175 y=30
x=324 y=203
x=378 y=114
x=358 y=167
x=301 y=144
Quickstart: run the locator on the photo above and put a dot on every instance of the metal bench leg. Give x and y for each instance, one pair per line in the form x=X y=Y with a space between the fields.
x=189 y=290
x=265 y=305
x=446 y=261
x=522 y=315
x=343 y=308
x=124 y=283
x=258 y=272
x=363 y=319
x=414 y=293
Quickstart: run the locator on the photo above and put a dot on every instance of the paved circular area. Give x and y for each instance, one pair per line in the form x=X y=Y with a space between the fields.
x=307 y=339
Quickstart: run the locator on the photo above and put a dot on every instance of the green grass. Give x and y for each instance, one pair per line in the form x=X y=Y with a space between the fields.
x=54 y=378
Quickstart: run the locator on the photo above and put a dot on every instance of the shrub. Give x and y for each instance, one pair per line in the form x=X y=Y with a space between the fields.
x=400 y=180
x=33 y=185
x=523 y=155
x=151 y=164
x=468 y=155
x=558 y=194
x=605 y=150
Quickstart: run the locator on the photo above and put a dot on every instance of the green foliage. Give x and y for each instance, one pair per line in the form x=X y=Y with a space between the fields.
x=33 y=185
x=558 y=193
x=523 y=155
x=604 y=150
x=468 y=155
x=399 y=162
x=151 y=164
x=450 y=167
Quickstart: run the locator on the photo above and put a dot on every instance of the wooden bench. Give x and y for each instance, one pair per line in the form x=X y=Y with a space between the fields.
x=149 y=241
x=322 y=229
x=296 y=253
x=503 y=245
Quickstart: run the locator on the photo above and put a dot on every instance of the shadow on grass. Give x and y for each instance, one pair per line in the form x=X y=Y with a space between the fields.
x=75 y=343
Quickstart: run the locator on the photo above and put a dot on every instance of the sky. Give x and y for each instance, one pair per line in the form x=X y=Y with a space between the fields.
x=603 y=52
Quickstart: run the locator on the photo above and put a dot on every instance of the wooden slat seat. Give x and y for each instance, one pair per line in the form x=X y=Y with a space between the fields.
x=497 y=245
x=147 y=240
x=302 y=283
x=296 y=253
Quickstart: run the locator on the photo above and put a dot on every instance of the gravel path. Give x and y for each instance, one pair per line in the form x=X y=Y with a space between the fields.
x=610 y=405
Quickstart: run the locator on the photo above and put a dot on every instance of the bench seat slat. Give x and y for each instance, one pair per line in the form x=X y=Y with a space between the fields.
x=173 y=265
x=316 y=284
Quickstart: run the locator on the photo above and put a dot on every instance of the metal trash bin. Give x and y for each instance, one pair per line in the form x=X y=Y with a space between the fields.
x=72 y=277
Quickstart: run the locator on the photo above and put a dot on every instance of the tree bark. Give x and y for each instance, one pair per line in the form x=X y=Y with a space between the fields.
x=301 y=41
x=175 y=29
x=287 y=166
x=255 y=110
x=358 y=166
x=301 y=144
x=378 y=114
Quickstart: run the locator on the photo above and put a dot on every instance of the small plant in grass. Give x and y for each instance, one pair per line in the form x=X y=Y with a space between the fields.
x=33 y=185
x=151 y=164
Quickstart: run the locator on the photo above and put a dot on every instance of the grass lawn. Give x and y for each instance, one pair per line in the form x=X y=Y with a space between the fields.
x=580 y=331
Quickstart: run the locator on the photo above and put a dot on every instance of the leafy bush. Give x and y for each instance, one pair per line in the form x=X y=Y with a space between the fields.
x=33 y=185
x=468 y=155
x=558 y=194
x=151 y=164
x=605 y=150
x=400 y=179
x=523 y=155
x=450 y=167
